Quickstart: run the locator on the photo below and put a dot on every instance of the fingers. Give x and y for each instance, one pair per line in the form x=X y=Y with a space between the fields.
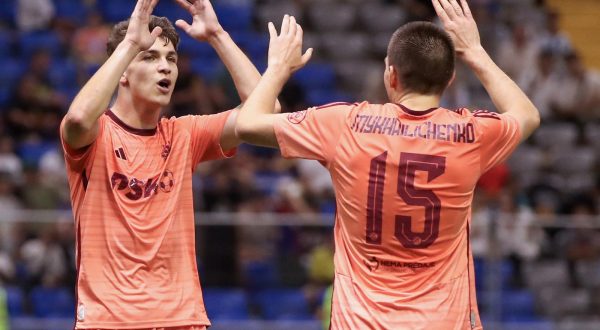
x=272 y=31
x=185 y=4
x=293 y=27
x=457 y=9
x=156 y=32
x=306 y=56
x=465 y=8
x=440 y=11
x=448 y=9
x=285 y=25
x=183 y=25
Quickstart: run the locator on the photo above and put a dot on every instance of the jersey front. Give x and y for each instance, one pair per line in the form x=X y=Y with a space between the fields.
x=404 y=182
x=131 y=193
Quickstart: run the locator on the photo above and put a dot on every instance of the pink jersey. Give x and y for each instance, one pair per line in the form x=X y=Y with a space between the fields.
x=404 y=182
x=131 y=191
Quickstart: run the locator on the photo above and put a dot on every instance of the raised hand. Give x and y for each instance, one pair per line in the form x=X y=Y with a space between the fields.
x=459 y=23
x=285 y=49
x=204 y=20
x=137 y=31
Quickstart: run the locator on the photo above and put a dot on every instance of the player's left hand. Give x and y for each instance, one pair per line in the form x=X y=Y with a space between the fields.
x=459 y=23
x=285 y=49
x=204 y=20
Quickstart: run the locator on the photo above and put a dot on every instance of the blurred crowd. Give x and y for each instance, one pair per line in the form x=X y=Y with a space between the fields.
x=522 y=36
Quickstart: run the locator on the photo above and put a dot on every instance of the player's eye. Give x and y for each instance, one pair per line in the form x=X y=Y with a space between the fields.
x=148 y=57
x=172 y=59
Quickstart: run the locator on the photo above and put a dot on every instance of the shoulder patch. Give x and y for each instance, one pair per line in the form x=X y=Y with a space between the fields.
x=486 y=114
x=297 y=117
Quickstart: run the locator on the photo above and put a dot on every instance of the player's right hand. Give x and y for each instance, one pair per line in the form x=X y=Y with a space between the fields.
x=137 y=31
x=459 y=23
x=285 y=49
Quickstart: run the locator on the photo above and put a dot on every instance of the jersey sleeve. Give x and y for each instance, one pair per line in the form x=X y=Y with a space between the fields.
x=77 y=159
x=500 y=135
x=311 y=133
x=205 y=133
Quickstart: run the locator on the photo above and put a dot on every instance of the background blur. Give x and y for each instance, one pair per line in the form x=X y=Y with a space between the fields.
x=264 y=227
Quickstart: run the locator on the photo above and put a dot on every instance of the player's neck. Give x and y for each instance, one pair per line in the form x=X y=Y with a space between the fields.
x=135 y=113
x=418 y=102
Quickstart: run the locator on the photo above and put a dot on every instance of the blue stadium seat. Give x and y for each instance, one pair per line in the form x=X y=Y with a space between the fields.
x=232 y=17
x=72 y=10
x=10 y=70
x=258 y=275
x=518 y=305
x=172 y=10
x=255 y=45
x=316 y=76
x=52 y=302
x=321 y=97
x=115 y=10
x=225 y=304
x=31 y=42
x=283 y=304
x=207 y=69
x=63 y=73
x=6 y=42
x=14 y=301
x=196 y=48
x=8 y=9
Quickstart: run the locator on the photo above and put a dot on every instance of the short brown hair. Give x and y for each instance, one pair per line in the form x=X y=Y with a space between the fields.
x=423 y=55
x=169 y=34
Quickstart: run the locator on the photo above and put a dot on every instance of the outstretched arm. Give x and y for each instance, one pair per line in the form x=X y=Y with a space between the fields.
x=255 y=120
x=81 y=121
x=205 y=27
x=506 y=95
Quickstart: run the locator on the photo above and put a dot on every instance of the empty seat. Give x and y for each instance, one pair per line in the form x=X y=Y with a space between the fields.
x=526 y=159
x=115 y=10
x=517 y=304
x=592 y=135
x=573 y=160
x=259 y=275
x=63 y=74
x=273 y=12
x=343 y=46
x=320 y=97
x=74 y=11
x=283 y=304
x=31 y=42
x=228 y=304
x=234 y=17
x=333 y=16
x=377 y=17
x=316 y=76
x=14 y=300
x=8 y=10
x=557 y=302
x=563 y=135
x=172 y=10
x=52 y=302
x=546 y=273
x=379 y=43
x=354 y=74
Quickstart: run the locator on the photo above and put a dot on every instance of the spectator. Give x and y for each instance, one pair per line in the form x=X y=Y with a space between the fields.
x=34 y=15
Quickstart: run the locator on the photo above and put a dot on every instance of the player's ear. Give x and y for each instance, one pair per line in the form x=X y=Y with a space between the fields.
x=123 y=80
x=393 y=77
x=451 y=79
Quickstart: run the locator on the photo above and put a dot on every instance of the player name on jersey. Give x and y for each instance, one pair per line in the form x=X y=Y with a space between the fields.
x=455 y=132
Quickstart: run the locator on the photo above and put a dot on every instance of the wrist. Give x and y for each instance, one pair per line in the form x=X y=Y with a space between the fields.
x=217 y=36
x=279 y=73
x=127 y=48
x=474 y=56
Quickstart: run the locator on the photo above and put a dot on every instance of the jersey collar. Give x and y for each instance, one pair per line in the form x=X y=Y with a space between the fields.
x=132 y=130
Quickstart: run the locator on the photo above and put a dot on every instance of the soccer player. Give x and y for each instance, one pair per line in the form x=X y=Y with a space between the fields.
x=130 y=174
x=404 y=172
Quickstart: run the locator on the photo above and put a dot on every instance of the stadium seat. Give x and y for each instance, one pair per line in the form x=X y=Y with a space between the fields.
x=31 y=42
x=196 y=48
x=172 y=10
x=274 y=11
x=207 y=69
x=227 y=304
x=8 y=10
x=344 y=46
x=558 y=302
x=14 y=301
x=377 y=17
x=556 y=136
x=592 y=136
x=334 y=16
x=573 y=161
x=321 y=97
x=63 y=73
x=526 y=159
x=234 y=17
x=6 y=42
x=518 y=305
x=283 y=304
x=115 y=10
x=72 y=10
x=52 y=302
x=259 y=275
x=546 y=273
x=255 y=45
x=316 y=76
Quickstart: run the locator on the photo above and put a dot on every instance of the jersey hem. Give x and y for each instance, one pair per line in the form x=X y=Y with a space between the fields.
x=142 y=325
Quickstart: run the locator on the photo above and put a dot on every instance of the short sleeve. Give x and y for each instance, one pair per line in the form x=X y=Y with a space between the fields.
x=76 y=159
x=499 y=135
x=205 y=135
x=313 y=133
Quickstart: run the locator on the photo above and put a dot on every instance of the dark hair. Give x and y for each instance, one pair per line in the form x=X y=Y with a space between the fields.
x=423 y=55
x=120 y=29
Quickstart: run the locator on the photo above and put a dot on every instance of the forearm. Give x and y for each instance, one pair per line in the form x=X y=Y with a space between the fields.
x=505 y=93
x=254 y=119
x=94 y=97
x=243 y=72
